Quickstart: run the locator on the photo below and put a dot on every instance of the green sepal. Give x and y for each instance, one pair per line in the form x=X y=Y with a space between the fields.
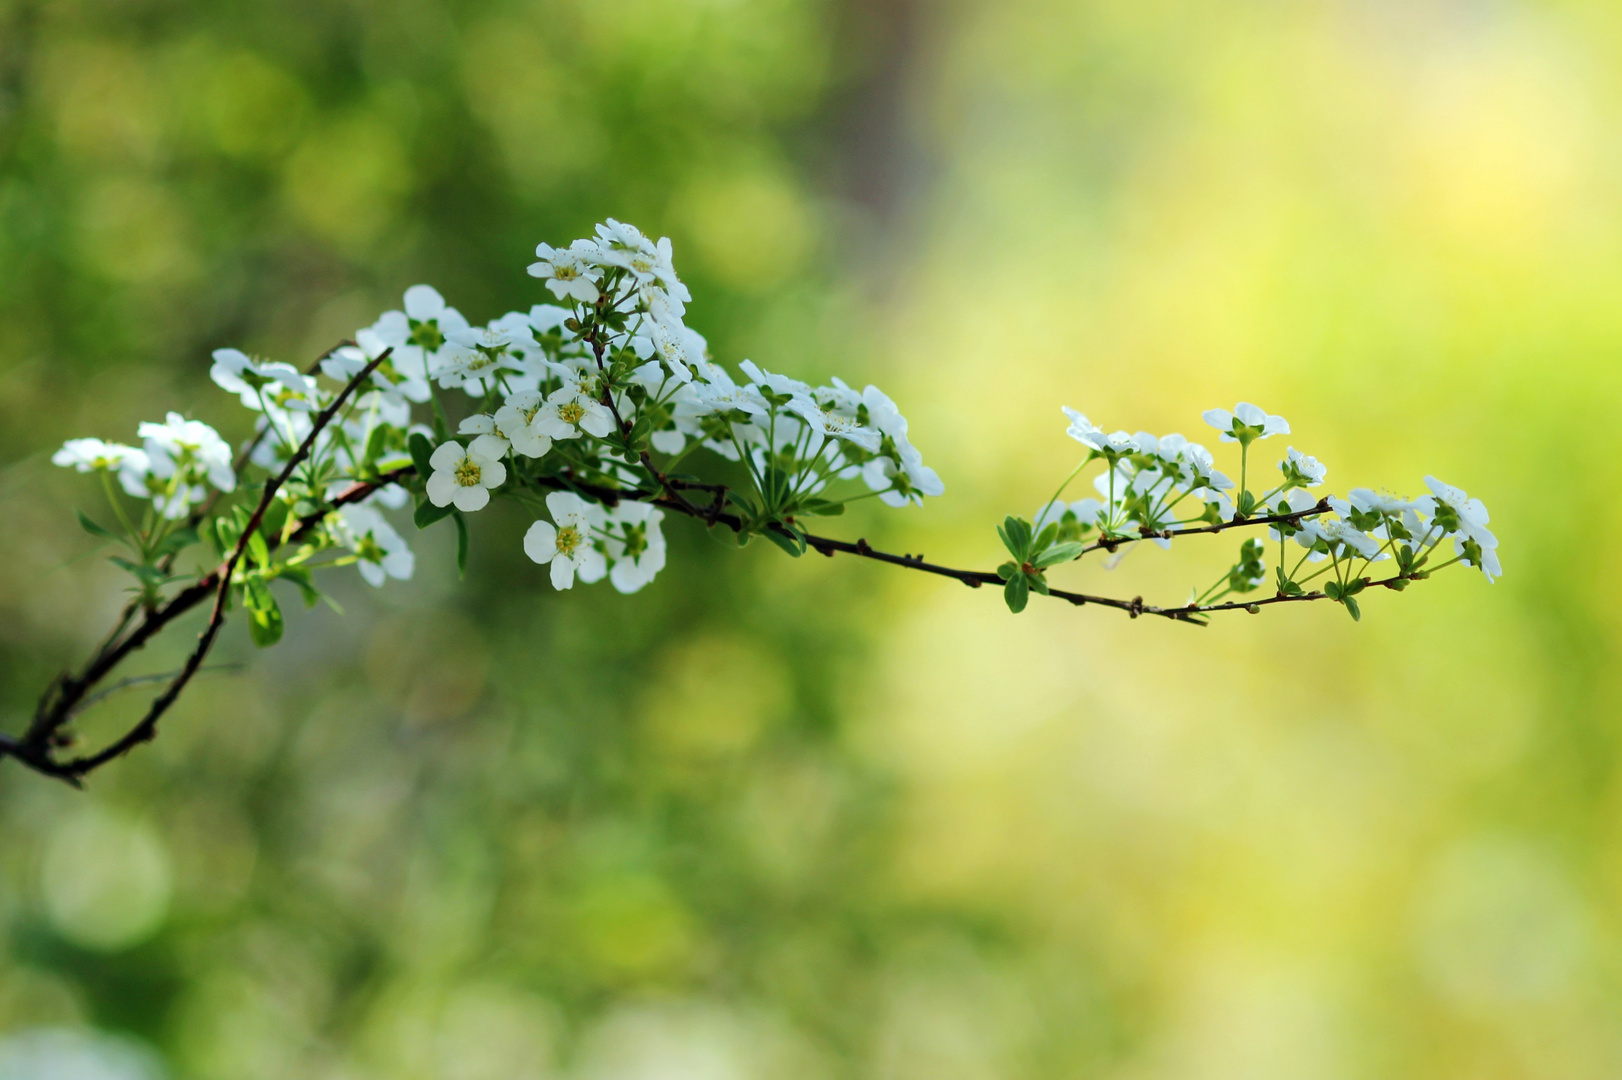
x=427 y=513
x=1059 y=553
x=461 y=543
x=1016 y=593
x=95 y=530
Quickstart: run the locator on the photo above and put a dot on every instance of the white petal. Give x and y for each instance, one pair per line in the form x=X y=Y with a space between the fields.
x=562 y=573
x=442 y=488
x=470 y=499
x=446 y=454
x=541 y=542
x=423 y=302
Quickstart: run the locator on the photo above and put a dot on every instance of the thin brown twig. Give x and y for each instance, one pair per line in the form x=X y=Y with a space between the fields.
x=66 y=697
x=36 y=746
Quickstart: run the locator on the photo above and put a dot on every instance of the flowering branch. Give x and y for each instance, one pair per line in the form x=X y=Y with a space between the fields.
x=583 y=411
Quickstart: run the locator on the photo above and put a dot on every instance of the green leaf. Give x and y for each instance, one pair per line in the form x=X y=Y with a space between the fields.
x=264 y=614
x=791 y=544
x=421 y=450
x=148 y=575
x=1038 y=583
x=95 y=530
x=461 y=543
x=1332 y=590
x=1016 y=536
x=427 y=513
x=1351 y=606
x=258 y=550
x=1046 y=536
x=305 y=581
x=374 y=444
x=1009 y=570
x=178 y=541
x=275 y=517
x=1015 y=593
x=1059 y=553
x=822 y=508
x=1245 y=504
x=1354 y=586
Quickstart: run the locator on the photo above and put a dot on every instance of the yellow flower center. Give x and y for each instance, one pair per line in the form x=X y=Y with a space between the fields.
x=568 y=540
x=572 y=412
x=467 y=472
x=564 y=273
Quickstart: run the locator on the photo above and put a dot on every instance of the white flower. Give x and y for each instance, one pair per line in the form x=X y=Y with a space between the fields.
x=883 y=414
x=416 y=335
x=571 y=409
x=258 y=384
x=489 y=440
x=672 y=350
x=832 y=414
x=88 y=454
x=388 y=379
x=1465 y=520
x=776 y=384
x=515 y=422
x=901 y=482
x=1116 y=445
x=1246 y=423
x=382 y=552
x=463 y=477
x=181 y=444
x=1301 y=469
x=570 y=545
x=569 y=272
x=636 y=546
x=1295 y=500
x=474 y=357
x=1380 y=502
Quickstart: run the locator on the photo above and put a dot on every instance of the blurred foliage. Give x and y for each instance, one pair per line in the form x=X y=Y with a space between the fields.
x=773 y=819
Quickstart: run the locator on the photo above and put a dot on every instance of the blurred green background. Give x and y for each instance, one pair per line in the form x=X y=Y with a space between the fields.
x=817 y=819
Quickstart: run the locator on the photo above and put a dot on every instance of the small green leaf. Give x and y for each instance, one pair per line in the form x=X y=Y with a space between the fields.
x=1351 y=606
x=95 y=530
x=1038 y=583
x=1332 y=590
x=1059 y=553
x=1008 y=570
x=178 y=541
x=427 y=513
x=461 y=544
x=421 y=450
x=822 y=508
x=791 y=544
x=258 y=550
x=264 y=614
x=1046 y=537
x=1015 y=593
x=305 y=581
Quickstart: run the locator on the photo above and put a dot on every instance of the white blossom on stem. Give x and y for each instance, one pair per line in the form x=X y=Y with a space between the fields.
x=569 y=544
x=463 y=477
x=381 y=552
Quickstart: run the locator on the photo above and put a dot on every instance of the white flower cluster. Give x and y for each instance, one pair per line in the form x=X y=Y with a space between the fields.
x=1156 y=487
x=558 y=406
x=173 y=467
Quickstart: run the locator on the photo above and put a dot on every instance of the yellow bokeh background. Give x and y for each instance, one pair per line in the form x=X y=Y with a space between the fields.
x=776 y=819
